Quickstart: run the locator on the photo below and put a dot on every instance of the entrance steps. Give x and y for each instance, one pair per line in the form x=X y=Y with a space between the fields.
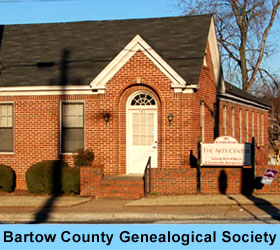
x=122 y=186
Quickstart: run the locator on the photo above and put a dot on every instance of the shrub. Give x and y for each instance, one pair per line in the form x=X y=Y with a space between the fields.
x=52 y=177
x=84 y=158
x=71 y=180
x=7 y=178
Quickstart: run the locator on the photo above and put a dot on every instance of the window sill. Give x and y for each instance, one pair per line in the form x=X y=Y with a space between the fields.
x=7 y=153
x=68 y=153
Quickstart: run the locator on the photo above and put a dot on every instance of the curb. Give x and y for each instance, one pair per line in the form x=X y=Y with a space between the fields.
x=110 y=217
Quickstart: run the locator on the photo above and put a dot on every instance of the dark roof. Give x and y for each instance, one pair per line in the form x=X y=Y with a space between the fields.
x=74 y=53
x=231 y=89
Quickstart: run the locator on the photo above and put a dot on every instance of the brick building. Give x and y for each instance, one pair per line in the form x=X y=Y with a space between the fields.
x=127 y=90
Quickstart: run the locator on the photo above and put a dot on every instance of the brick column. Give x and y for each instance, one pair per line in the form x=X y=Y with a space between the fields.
x=90 y=179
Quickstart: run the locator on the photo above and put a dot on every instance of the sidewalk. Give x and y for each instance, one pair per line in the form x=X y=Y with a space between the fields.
x=71 y=209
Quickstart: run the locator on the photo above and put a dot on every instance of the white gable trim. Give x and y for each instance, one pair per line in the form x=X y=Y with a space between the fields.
x=135 y=45
x=215 y=55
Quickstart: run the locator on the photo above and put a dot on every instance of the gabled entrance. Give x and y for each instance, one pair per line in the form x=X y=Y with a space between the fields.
x=141 y=132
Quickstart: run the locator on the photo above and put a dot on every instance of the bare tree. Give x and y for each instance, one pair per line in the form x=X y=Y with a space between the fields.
x=242 y=30
x=270 y=93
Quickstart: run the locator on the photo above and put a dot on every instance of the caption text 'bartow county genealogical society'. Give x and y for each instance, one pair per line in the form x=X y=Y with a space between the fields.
x=130 y=237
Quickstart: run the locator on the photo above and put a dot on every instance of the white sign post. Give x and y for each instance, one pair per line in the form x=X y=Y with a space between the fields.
x=225 y=151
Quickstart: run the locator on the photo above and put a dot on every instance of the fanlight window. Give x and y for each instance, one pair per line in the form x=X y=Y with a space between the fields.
x=143 y=99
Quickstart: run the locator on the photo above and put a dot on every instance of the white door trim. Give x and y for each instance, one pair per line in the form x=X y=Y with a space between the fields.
x=153 y=150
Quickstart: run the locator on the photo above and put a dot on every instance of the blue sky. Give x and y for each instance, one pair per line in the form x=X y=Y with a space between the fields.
x=30 y=11
x=41 y=11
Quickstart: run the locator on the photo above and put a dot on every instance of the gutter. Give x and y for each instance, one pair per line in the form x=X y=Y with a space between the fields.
x=240 y=100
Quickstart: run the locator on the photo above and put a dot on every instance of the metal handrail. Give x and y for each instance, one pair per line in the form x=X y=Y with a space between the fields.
x=148 y=168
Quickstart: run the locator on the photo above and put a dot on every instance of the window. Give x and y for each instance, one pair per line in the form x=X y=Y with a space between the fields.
x=232 y=122
x=143 y=99
x=72 y=132
x=6 y=127
x=240 y=125
x=247 y=126
x=225 y=119
x=143 y=125
x=202 y=120
x=215 y=120
x=143 y=119
x=205 y=58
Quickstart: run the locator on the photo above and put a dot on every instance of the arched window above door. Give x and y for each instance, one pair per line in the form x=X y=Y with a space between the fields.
x=143 y=99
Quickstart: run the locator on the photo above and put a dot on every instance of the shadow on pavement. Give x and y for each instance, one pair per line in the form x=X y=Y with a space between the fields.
x=266 y=206
x=43 y=214
x=251 y=183
x=248 y=211
x=248 y=184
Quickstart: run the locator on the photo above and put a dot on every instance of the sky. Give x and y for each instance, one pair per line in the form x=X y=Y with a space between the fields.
x=42 y=11
x=34 y=11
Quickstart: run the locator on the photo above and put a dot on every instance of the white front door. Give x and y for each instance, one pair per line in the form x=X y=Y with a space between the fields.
x=141 y=135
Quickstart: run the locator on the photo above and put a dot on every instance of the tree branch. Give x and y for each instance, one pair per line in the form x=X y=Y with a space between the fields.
x=270 y=76
x=231 y=55
x=260 y=57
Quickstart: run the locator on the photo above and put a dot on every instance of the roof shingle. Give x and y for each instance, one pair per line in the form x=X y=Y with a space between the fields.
x=231 y=89
x=80 y=50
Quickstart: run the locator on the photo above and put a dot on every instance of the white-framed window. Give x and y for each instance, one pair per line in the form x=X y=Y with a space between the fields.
x=143 y=99
x=143 y=122
x=205 y=59
x=72 y=127
x=6 y=127
x=240 y=125
x=247 y=126
x=253 y=123
x=262 y=129
x=225 y=119
x=202 y=120
x=232 y=122
x=216 y=125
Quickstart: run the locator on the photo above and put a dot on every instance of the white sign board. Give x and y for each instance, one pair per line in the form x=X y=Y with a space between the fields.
x=225 y=151
x=269 y=176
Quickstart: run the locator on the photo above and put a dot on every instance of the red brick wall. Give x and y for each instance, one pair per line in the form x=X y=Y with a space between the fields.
x=261 y=145
x=36 y=132
x=37 y=129
x=90 y=179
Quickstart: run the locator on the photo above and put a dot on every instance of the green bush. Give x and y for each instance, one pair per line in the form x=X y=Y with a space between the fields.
x=71 y=180
x=84 y=158
x=52 y=177
x=7 y=178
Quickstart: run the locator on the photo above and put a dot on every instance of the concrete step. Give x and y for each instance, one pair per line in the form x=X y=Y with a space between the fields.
x=122 y=186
